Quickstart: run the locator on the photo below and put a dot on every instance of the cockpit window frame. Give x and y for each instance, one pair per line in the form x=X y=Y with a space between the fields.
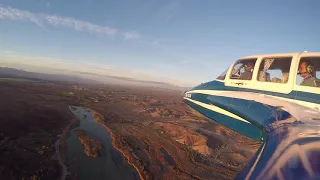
x=260 y=85
x=298 y=87
x=255 y=59
x=291 y=68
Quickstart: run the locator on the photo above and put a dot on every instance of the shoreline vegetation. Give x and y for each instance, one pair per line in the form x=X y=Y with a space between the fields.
x=125 y=153
x=62 y=145
x=99 y=118
x=117 y=145
x=92 y=147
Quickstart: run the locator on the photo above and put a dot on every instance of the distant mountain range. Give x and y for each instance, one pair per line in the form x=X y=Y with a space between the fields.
x=11 y=72
x=130 y=81
x=87 y=78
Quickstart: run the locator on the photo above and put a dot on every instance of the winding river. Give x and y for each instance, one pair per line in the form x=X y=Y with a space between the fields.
x=109 y=165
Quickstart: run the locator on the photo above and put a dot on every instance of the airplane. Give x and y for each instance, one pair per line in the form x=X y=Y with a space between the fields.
x=261 y=97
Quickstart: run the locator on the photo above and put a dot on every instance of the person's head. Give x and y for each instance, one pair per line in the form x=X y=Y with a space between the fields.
x=305 y=69
x=249 y=66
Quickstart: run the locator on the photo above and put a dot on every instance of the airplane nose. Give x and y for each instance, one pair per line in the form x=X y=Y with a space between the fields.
x=187 y=93
x=184 y=93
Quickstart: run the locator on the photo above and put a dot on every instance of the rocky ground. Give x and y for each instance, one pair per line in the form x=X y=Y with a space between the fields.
x=165 y=139
x=32 y=115
x=157 y=133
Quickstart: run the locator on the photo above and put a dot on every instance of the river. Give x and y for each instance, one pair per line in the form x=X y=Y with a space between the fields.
x=110 y=165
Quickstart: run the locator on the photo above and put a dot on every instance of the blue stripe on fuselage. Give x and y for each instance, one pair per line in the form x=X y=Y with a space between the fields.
x=241 y=127
x=308 y=97
x=260 y=115
x=297 y=95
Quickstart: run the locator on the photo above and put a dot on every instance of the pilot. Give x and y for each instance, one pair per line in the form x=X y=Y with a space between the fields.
x=306 y=72
x=247 y=75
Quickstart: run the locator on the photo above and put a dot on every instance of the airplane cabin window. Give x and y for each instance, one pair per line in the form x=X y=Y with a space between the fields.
x=243 y=69
x=275 y=70
x=309 y=72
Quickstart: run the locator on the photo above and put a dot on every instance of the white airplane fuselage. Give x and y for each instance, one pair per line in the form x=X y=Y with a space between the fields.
x=258 y=108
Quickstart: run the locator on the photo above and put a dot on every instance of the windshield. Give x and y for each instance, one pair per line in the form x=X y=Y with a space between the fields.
x=223 y=75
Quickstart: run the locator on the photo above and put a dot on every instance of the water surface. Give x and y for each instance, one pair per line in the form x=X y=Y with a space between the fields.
x=110 y=165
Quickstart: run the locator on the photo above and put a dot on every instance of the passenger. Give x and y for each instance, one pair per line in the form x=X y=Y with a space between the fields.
x=264 y=76
x=247 y=75
x=306 y=72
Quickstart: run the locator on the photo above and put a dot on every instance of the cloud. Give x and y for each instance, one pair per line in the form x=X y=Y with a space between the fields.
x=54 y=20
x=131 y=35
x=170 y=10
x=155 y=42
x=185 y=61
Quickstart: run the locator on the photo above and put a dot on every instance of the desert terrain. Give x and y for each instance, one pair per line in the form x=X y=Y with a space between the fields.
x=32 y=116
x=157 y=133
x=166 y=139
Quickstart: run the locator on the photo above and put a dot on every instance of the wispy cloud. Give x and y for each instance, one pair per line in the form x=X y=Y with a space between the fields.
x=185 y=61
x=131 y=35
x=170 y=10
x=182 y=58
x=155 y=42
x=54 y=20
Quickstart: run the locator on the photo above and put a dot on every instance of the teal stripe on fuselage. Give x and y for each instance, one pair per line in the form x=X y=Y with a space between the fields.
x=259 y=114
x=241 y=127
x=297 y=95
x=308 y=97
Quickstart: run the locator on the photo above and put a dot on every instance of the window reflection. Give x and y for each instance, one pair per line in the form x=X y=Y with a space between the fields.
x=243 y=69
x=223 y=75
x=275 y=70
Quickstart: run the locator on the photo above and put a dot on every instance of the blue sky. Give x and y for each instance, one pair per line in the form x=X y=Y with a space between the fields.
x=184 y=42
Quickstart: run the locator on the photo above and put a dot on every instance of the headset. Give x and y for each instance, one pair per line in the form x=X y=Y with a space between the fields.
x=309 y=68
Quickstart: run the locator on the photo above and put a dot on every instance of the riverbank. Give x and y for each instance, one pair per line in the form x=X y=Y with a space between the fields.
x=84 y=161
x=150 y=152
x=127 y=154
x=60 y=145
x=58 y=153
x=131 y=160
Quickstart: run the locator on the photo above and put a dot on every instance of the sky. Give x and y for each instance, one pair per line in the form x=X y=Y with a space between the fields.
x=182 y=42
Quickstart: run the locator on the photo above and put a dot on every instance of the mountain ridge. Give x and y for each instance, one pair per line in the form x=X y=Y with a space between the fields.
x=7 y=71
